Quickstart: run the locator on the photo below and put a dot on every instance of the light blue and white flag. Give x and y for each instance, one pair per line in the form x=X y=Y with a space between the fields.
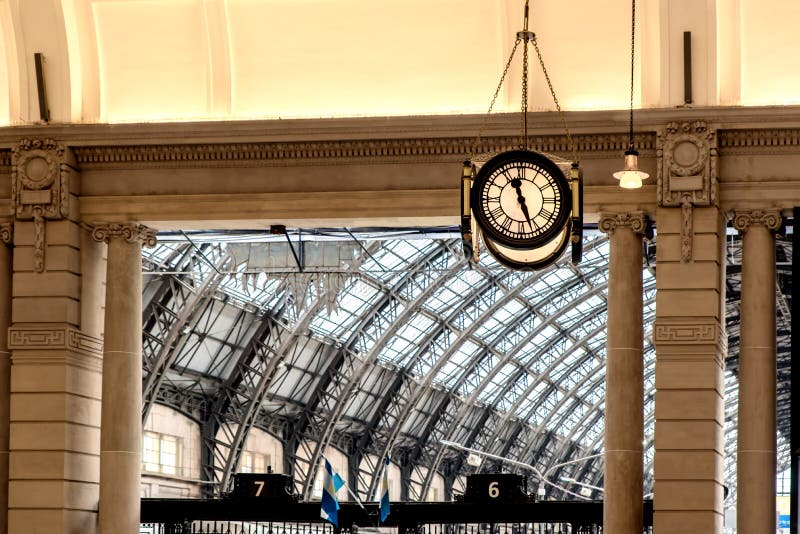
x=330 y=504
x=384 y=507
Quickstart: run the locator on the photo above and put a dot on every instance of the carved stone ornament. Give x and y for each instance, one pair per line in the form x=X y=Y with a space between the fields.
x=744 y=219
x=687 y=173
x=40 y=176
x=130 y=232
x=7 y=233
x=635 y=220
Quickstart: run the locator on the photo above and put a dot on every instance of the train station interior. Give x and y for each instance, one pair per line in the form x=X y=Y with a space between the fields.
x=234 y=244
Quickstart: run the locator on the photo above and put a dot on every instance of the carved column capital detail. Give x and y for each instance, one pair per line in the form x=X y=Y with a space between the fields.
x=744 y=219
x=130 y=232
x=635 y=220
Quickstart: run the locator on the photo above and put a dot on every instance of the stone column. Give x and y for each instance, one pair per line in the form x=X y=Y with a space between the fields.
x=689 y=334
x=756 y=463
x=55 y=366
x=6 y=233
x=121 y=416
x=624 y=417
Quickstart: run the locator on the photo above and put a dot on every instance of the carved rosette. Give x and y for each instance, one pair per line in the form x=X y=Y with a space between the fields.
x=687 y=165
x=130 y=232
x=40 y=178
x=744 y=219
x=635 y=220
x=687 y=173
x=7 y=233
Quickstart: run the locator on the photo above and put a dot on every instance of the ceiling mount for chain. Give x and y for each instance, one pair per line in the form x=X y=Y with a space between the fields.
x=525 y=36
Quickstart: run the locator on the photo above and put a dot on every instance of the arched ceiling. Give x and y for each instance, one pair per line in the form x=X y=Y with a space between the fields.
x=178 y=60
x=417 y=347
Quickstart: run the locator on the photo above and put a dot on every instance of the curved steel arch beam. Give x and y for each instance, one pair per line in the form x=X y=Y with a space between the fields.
x=215 y=451
x=345 y=384
x=176 y=338
x=505 y=358
x=459 y=417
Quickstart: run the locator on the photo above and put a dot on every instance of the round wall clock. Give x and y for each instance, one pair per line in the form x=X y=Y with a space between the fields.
x=521 y=200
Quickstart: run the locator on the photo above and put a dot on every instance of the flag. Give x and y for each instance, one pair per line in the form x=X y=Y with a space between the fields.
x=330 y=505
x=384 y=507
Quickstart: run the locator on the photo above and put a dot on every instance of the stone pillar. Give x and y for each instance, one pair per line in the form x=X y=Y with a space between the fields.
x=624 y=417
x=6 y=233
x=121 y=428
x=689 y=334
x=757 y=447
x=54 y=440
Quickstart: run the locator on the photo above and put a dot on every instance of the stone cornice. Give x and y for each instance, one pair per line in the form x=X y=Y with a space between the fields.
x=387 y=150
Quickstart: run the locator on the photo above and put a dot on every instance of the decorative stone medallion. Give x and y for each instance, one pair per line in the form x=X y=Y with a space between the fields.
x=40 y=178
x=687 y=173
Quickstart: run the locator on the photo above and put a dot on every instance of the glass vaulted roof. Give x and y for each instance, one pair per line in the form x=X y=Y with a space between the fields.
x=389 y=343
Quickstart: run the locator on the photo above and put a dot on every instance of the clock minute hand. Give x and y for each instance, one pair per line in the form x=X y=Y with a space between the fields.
x=517 y=185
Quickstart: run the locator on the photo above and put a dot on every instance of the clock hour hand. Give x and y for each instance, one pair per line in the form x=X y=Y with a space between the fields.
x=516 y=183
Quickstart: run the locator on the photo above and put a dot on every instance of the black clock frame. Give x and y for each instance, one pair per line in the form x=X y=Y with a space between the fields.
x=547 y=166
x=510 y=262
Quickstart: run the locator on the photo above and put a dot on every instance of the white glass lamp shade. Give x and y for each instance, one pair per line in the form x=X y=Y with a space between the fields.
x=631 y=177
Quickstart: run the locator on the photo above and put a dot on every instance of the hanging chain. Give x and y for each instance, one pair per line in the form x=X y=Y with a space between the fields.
x=555 y=100
x=477 y=141
x=526 y=36
x=633 y=51
x=523 y=141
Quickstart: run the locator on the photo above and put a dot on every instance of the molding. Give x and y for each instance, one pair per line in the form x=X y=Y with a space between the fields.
x=689 y=333
x=87 y=350
x=744 y=219
x=636 y=221
x=342 y=151
x=130 y=232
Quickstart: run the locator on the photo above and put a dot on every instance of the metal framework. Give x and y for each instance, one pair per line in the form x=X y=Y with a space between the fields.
x=422 y=348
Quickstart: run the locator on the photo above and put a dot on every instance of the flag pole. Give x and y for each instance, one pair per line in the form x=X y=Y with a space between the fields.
x=347 y=487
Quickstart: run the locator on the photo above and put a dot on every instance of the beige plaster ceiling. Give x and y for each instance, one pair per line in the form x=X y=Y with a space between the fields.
x=167 y=60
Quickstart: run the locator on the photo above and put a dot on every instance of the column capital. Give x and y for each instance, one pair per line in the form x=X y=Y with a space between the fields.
x=744 y=219
x=130 y=232
x=635 y=220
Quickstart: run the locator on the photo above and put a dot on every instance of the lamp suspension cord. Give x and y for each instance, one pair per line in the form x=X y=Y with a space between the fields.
x=633 y=51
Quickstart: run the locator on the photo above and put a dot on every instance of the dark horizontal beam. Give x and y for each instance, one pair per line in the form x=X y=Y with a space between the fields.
x=403 y=514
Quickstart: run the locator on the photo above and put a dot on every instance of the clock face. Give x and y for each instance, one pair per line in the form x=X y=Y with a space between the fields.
x=521 y=199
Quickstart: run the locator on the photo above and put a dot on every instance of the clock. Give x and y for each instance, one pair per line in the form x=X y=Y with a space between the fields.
x=531 y=259
x=521 y=200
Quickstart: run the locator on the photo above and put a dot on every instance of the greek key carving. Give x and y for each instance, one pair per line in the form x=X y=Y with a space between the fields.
x=744 y=219
x=636 y=221
x=688 y=332
x=130 y=232
x=54 y=338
